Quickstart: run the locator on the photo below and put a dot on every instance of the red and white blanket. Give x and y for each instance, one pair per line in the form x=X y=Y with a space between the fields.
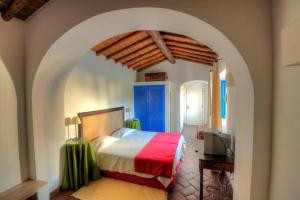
x=140 y=153
x=157 y=157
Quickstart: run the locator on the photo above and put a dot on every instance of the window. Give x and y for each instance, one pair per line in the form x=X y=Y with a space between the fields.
x=223 y=99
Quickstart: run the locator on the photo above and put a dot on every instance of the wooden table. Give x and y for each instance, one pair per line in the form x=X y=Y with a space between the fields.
x=213 y=162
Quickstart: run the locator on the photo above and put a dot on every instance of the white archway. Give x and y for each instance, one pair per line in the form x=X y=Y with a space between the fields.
x=9 y=138
x=50 y=79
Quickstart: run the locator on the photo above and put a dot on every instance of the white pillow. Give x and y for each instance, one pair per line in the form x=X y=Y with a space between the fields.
x=103 y=142
x=122 y=132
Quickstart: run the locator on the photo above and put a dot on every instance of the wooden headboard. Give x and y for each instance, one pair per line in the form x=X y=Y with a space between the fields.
x=101 y=122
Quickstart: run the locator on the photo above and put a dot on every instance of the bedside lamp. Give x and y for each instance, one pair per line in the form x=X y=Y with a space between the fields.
x=68 y=122
x=76 y=121
x=128 y=110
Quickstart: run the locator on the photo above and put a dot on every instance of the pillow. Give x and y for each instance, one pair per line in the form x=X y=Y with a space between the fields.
x=103 y=141
x=122 y=132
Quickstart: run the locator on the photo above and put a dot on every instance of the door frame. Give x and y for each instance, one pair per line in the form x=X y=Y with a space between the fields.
x=182 y=113
x=201 y=115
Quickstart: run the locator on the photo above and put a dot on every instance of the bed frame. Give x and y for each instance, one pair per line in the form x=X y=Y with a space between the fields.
x=105 y=122
x=100 y=122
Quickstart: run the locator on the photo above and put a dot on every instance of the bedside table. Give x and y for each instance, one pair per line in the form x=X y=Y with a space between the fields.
x=81 y=166
x=133 y=123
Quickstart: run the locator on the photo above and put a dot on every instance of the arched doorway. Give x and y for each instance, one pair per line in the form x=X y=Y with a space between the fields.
x=194 y=103
x=49 y=83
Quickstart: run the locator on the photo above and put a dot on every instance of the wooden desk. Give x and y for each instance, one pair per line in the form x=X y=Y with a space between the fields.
x=223 y=163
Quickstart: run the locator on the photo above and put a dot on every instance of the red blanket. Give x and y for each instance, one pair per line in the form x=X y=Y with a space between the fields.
x=157 y=157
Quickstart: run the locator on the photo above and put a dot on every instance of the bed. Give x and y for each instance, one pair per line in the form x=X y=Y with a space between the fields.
x=146 y=158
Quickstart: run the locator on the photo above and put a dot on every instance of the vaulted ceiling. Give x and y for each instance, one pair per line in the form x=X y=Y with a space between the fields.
x=20 y=9
x=140 y=50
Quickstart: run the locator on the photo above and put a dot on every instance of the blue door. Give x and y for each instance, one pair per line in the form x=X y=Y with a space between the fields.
x=149 y=107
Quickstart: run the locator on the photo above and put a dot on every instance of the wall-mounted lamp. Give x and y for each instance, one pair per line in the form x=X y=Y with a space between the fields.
x=68 y=122
x=229 y=80
x=76 y=121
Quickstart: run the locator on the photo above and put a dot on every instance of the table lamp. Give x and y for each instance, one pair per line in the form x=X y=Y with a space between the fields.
x=68 y=122
x=128 y=110
x=76 y=121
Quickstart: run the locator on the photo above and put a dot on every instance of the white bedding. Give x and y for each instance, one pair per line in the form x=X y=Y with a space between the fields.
x=116 y=153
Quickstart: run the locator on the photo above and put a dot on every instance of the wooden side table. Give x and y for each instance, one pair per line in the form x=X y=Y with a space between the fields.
x=213 y=162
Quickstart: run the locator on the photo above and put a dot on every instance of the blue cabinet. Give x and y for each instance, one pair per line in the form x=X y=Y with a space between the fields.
x=149 y=107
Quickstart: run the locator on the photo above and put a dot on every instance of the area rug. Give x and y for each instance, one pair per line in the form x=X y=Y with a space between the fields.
x=112 y=189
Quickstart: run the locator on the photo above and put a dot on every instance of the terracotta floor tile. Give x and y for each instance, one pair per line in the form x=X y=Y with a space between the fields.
x=188 y=190
x=191 y=197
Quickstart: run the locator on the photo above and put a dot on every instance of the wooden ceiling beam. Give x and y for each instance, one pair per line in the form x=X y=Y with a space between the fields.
x=144 y=56
x=198 y=62
x=190 y=46
x=131 y=49
x=201 y=53
x=152 y=62
x=109 y=42
x=155 y=35
x=180 y=38
x=146 y=67
x=137 y=54
x=193 y=55
x=154 y=57
x=126 y=42
x=193 y=59
x=14 y=9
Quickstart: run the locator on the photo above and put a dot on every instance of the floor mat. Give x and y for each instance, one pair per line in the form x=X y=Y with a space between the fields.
x=111 y=189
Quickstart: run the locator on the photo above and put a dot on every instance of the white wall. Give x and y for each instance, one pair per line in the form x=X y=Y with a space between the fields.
x=286 y=122
x=9 y=148
x=96 y=83
x=180 y=72
x=231 y=109
x=12 y=70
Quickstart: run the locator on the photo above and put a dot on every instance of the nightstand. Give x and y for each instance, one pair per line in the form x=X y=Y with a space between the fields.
x=133 y=123
x=80 y=166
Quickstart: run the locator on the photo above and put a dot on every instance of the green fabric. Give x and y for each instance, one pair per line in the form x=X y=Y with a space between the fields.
x=133 y=123
x=81 y=166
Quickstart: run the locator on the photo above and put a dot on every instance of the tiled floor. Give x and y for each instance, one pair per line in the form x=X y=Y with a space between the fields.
x=188 y=179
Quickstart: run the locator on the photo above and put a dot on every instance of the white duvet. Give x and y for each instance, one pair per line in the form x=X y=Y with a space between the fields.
x=116 y=153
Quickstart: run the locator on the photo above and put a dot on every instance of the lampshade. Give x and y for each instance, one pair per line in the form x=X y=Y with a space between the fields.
x=76 y=120
x=68 y=121
x=229 y=80
x=128 y=110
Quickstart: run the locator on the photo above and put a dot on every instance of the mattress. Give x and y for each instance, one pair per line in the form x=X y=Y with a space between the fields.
x=117 y=154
